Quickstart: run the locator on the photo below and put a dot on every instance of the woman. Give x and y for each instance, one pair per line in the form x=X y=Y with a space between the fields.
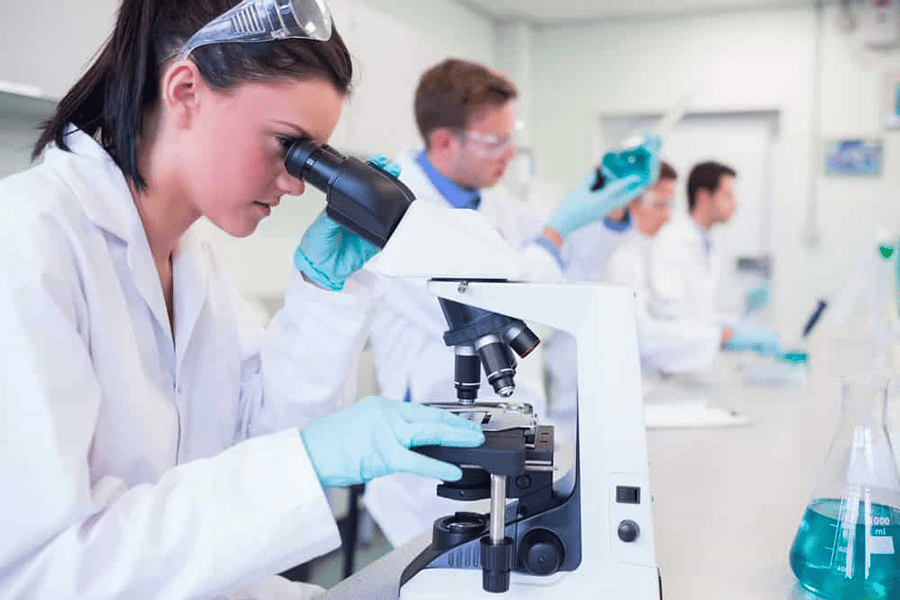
x=151 y=445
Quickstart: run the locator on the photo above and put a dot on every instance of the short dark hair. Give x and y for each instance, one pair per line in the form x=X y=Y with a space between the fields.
x=666 y=171
x=707 y=176
x=450 y=92
x=123 y=82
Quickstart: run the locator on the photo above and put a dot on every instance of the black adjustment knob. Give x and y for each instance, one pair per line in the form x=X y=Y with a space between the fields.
x=541 y=552
x=496 y=563
x=628 y=531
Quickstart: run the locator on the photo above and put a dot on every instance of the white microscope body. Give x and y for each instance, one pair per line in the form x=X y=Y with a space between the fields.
x=618 y=559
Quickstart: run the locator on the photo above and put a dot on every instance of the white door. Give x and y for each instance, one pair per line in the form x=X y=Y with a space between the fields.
x=745 y=141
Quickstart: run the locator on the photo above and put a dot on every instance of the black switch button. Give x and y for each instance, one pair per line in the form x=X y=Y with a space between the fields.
x=628 y=495
x=628 y=531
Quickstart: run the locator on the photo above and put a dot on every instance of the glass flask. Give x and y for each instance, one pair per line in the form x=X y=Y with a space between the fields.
x=847 y=543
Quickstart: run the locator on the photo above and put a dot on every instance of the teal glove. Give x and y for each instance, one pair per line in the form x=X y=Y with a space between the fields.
x=329 y=254
x=372 y=439
x=627 y=175
x=754 y=337
x=758 y=297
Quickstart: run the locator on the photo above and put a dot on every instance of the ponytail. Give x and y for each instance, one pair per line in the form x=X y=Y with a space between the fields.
x=110 y=100
x=111 y=97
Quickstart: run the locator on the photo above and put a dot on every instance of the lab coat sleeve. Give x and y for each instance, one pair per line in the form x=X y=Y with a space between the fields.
x=586 y=251
x=671 y=346
x=540 y=262
x=202 y=528
x=677 y=346
x=311 y=351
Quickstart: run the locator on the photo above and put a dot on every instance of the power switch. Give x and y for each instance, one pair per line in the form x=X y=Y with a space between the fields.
x=628 y=495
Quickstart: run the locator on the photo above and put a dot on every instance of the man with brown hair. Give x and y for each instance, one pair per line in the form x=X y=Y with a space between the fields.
x=466 y=114
x=684 y=267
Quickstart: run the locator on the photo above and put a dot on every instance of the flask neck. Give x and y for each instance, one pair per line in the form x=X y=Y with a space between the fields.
x=864 y=402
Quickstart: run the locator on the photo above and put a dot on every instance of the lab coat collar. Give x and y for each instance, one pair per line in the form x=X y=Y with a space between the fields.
x=103 y=191
x=415 y=178
x=455 y=194
x=98 y=183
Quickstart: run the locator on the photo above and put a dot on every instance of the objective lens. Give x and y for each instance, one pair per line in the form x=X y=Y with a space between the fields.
x=499 y=364
x=521 y=339
x=468 y=374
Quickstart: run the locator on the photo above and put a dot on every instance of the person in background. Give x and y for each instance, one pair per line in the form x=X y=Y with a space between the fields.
x=466 y=115
x=664 y=345
x=683 y=266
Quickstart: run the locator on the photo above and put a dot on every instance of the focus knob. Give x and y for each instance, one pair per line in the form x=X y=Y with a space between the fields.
x=628 y=531
x=542 y=552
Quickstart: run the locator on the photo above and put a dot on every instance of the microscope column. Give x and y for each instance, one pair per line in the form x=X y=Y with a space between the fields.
x=496 y=550
x=498 y=508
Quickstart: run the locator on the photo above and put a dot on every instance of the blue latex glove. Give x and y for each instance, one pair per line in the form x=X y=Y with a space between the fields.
x=372 y=439
x=627 y=175
x=758 y=297
x=754 y=337
x=329 y=254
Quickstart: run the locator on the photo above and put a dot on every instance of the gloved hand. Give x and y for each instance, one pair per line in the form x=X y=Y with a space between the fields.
x=329 y=254
x=625 y=179
x=754 y=337
x=758 y=297
x=372 y=439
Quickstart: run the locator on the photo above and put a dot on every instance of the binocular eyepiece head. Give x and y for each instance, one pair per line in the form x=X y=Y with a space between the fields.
x=361 y=197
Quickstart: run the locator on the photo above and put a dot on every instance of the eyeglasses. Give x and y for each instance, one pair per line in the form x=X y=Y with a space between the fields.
x=657 y=203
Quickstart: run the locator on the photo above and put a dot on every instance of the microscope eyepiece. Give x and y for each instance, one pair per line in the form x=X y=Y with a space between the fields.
x=365 y=199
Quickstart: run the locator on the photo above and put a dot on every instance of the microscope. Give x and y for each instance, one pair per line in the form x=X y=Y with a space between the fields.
x=587 y=533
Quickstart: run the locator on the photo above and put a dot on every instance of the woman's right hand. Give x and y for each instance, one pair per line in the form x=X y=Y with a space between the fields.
x=329 y=254
x=373 y=438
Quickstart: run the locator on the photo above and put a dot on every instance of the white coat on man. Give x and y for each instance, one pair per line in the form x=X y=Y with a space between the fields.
x=666 y=345
x=684 y=270
x=410 y=354
x=137 y=464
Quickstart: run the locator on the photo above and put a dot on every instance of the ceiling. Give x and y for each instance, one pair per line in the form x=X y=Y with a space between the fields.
x=547 y=11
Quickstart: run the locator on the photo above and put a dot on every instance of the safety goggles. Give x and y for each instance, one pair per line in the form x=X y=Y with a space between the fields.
x=264 y=21
x=490 y=146
x=658 y=203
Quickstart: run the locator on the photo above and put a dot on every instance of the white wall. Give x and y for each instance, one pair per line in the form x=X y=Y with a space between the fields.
x=48 y=43
x=736 y=61
x=392 y=42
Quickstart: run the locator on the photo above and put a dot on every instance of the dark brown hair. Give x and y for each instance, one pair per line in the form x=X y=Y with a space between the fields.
x=110 y=100
x=667 y=171
x=450 y=92
x=706 y=176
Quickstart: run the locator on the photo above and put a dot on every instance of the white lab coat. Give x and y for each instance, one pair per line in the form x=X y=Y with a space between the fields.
x=135 y=467
x=683 y=277
x=667 y=345
x=409 y=351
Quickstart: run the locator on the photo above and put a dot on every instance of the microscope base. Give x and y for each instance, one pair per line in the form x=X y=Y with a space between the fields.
x=627 y=583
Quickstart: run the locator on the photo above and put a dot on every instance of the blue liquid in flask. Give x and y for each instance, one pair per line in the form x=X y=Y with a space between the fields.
x=833 y=562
